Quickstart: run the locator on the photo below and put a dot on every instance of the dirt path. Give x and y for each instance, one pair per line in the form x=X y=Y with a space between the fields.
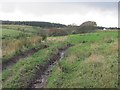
x=16 y=58
x=44 y=71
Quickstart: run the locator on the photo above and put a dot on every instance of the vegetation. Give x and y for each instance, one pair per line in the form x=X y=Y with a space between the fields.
x=91 y=61
x=15 y=42
x=23 y=28
x=24 y=71
x=34 y=23
x=87 y=27
x=57 y=32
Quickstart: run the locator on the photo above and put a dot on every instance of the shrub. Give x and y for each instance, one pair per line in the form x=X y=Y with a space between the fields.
x=87 y=27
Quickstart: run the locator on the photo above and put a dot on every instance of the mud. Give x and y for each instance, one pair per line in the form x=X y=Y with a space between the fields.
x=45 y=70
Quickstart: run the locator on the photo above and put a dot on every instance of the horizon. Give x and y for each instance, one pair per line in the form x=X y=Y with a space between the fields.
x=56 y=23
x=103 y=13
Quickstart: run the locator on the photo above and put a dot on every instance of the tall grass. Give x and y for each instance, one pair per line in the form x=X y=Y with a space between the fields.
x=15 y=46
x=15 y=42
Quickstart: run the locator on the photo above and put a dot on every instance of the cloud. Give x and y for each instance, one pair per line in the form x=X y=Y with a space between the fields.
x=105 y=14
x=59 y=1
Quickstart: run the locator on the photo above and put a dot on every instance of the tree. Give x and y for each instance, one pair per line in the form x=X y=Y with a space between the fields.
x=87 y=27
x=57 y=32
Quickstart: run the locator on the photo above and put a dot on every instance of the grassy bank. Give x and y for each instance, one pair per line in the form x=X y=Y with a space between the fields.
x=91 y=63
x=24 y=72
x=15 y=42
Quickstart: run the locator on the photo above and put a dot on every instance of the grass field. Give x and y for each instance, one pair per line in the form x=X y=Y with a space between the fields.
x=23 y=28
x=91 y=61
x=92 y=64
x=12 y=34
x=15 y=42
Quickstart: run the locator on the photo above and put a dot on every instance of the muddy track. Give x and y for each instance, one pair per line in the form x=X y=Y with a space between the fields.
x=40 y=80
x=20 y=56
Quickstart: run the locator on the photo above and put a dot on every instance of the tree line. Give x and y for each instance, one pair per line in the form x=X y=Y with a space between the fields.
x=34 y=23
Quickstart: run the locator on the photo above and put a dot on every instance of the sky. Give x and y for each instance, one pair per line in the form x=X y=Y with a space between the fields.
x=103 y=13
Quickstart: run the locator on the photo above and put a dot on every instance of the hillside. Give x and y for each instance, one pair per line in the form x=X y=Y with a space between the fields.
x=86 y=60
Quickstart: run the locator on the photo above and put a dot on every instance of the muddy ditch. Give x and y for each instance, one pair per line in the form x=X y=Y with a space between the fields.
x=20 y=56
x=40 y=80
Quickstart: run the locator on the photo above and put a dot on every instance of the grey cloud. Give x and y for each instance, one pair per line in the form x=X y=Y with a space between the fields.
x=71 y=11
x=39 y=8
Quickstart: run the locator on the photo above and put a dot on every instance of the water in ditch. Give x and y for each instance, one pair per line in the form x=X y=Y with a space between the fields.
x=42 y=80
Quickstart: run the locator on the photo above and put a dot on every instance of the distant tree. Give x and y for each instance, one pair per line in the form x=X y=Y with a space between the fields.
x=100 y=27
x=34 y=23
x=57 y=32
x=86 y=27
x=72 y=28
